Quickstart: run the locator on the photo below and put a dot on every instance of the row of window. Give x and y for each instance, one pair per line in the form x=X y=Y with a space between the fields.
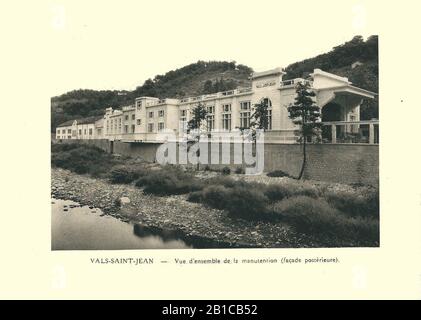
x=160 y=113
x=245 y=115
x=161 y=126
x=69 y=131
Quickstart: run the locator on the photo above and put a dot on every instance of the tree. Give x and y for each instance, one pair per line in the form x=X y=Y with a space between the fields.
x=208 y=87
x=305 y=113
x=260 y=116
x=199 y=114
x=259 y=120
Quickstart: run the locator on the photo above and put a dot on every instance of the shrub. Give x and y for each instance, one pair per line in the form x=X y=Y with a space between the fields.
x=215 y=196
x=365 y=229
x=226 y=170
x=240 y=170
x=317 y=216
x=223 y=181
x=61 y=147
x=124 y=176
x=276 y=192
x=82 y=159
x=291 y=188
x=168 y=181
x=278 y=173
x=247 y=203
x=195 y=196
x=354 y=204
x=309 y=215
x=239 y=201
x=306 y=189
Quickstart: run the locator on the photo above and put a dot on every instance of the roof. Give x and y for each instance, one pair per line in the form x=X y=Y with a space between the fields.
x=66 y=124
x=88 y=120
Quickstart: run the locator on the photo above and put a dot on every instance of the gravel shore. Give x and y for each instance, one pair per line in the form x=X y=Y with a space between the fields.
x=172 y=213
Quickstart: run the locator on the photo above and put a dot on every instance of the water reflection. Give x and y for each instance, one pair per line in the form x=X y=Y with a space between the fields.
x=84 y=228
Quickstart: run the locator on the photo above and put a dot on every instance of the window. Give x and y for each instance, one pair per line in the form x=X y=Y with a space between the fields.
x=226 y=121
x=150 y=127
x=160 y=113
x=133 y=116
x=245 y=108
x=210 y=109
x=80 y=132
x=139 y=105
x=269 y=104
x=69 y=131
x=226 y=108
x=210 y=122
x=245 y=105
x=183 y=120
x=151 y=114
x=160 y=126
x=245 y=119
x=133 y=128
x=139 y=122
x=126 y=117
x=226 y=116
x=90 y=132
x=126 y=128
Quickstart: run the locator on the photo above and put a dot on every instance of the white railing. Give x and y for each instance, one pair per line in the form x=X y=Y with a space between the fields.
x=293 y=82
x=365 y=131
x=216 y=95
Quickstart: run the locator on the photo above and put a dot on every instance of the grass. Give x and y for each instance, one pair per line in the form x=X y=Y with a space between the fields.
x=81 y=159
x=316 y=216
x=168 y=181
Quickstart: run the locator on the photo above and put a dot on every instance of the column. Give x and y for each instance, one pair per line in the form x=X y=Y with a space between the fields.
x=371 y=134
x=333 y=128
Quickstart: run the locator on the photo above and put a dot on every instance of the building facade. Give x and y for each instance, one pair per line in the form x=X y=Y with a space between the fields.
x=88 y=128
x=231 y=110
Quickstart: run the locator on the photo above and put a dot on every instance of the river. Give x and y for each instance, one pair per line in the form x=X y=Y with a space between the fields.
x=75 y=227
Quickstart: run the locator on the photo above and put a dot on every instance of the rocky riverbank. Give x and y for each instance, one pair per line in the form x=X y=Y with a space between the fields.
x=173 y=213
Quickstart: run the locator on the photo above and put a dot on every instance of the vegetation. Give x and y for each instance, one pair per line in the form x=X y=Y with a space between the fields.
x=305 y=113
x=240 y=170
x=226 y=170
x=199 y=114
x=277 y=173
x=123 y=175
x=260 y=116
x=81 y=159
x=168 y=181
x=351 y=215
x=316 y=216
x=339 y=61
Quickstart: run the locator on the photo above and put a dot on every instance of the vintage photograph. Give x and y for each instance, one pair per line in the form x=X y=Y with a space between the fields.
x=220 y=154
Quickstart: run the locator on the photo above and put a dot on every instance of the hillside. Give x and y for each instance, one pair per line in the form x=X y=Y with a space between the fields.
x=339 y=60
x=194 y=79
x=213 y=76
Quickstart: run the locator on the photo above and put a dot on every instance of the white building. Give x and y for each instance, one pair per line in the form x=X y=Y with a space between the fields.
x=338 y=99
x=88 y=128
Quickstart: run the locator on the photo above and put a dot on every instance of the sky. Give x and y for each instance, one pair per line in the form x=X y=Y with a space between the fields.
x=120 y=44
